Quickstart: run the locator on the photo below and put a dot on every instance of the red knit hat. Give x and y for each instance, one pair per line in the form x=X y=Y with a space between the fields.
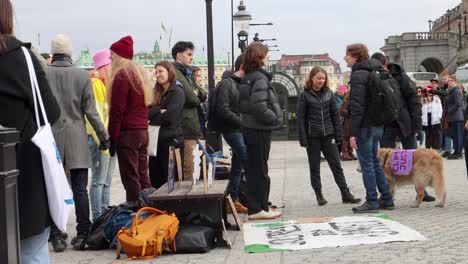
x=123 y=47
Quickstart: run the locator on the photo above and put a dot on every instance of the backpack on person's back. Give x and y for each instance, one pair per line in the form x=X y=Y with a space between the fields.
x=384 y=94
x=214 y=124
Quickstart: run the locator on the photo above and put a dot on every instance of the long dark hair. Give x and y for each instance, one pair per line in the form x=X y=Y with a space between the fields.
x=158 y=88
x=310 y=83
x=6 y=22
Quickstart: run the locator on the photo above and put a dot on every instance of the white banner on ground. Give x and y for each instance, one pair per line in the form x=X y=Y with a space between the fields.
x=334 y=232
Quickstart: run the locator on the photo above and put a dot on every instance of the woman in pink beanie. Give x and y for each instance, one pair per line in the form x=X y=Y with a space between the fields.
x=130 y=94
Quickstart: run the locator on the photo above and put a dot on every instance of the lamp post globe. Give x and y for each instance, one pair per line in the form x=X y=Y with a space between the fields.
x=242 y=20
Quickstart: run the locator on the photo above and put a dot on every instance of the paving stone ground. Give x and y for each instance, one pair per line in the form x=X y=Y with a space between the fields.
x=445 y=228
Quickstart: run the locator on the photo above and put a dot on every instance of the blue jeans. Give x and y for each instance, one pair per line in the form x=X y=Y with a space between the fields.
x=102 y=171
x=372 y=173
x=447 y=143
x=239 y=161
x=35 y=249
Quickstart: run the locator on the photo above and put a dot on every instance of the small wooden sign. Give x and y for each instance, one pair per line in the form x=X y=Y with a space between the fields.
x=205 y=178
x=171 y=170
x=234 y=212
x=178 y=163
x=228 y=240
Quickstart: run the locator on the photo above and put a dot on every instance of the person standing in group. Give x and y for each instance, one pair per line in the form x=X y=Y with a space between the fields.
x=446 y=137
x=167 y=113
x=365 y=136
x=129 y=95
x=17 y=111
x=408 y=123
x=431 y=118
x=103 y=164
x=339 y=97
x=203 y=109
x=182 y=52
x=347 y=152
x=261 y=113
x=319 y=129
x=73 y=90
x=229 y=121
x=454 y=114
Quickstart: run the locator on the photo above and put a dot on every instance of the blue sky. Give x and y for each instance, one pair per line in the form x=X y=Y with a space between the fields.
x=301 y=26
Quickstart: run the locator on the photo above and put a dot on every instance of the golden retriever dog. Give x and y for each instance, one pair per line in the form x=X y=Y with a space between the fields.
x=427 y=171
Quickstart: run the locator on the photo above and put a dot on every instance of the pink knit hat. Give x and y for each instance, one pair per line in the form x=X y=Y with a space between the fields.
x=343 y=88
x=101 y=58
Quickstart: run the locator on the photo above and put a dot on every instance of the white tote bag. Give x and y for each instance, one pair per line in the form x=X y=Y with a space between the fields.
x=153 y=133
x=59 y=193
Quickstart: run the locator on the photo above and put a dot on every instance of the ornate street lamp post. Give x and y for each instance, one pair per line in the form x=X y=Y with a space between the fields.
x=242 y=20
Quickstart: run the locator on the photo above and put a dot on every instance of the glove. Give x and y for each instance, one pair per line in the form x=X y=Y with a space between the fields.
x=113 y=148
x=104 y=145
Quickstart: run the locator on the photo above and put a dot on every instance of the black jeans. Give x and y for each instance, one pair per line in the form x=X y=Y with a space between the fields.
x=258 y=144
x=79 y=182
x=330 y=151
x=159 y=165
x=389 y=139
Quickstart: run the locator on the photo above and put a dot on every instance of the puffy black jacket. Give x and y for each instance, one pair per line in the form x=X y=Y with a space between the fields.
x=171 y=120
x=410 y=114
x=359 y=97
x=227 y=103
x=258 y=102
x=317 y=116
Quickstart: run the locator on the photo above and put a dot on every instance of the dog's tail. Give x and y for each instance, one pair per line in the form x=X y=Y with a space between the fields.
x=438 y=182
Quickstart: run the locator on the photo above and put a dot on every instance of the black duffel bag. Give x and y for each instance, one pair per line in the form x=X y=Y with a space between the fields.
x=197 y=234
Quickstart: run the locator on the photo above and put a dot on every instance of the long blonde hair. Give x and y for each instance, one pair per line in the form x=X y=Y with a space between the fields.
x=138 y=78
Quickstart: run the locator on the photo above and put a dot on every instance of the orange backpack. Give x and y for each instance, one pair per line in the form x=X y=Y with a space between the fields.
x=148 y=238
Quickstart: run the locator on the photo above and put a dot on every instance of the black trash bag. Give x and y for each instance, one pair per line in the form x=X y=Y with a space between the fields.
x=197 y=234
x=96 y=239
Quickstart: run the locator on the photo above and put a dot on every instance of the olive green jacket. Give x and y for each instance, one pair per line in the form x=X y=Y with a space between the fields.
x=190 y=118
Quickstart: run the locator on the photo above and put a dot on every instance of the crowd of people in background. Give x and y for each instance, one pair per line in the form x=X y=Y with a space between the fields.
x=101 y=117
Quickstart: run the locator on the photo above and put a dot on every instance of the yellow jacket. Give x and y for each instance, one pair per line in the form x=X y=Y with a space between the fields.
x=102 y=107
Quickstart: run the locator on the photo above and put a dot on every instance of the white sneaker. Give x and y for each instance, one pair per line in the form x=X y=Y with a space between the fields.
x=262 y=215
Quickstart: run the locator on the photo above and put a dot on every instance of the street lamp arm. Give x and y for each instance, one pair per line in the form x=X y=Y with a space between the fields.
x=261 y=24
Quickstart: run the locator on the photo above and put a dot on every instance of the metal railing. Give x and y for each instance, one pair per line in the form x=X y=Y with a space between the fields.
x=9 y=227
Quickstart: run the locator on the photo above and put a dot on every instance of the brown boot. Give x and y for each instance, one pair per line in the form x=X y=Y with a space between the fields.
x=241 y=209
x=351 y=152
x=344 y=151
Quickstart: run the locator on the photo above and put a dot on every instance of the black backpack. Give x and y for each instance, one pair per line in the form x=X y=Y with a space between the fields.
x=214 y=125
x=384 y=94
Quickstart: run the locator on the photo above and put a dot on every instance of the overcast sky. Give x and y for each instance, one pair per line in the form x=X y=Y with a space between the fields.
x=301 y=26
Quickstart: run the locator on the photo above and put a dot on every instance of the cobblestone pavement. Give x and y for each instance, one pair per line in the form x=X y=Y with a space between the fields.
x=446 y=228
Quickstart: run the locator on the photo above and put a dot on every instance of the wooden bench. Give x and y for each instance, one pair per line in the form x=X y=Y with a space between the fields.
x=186 y=198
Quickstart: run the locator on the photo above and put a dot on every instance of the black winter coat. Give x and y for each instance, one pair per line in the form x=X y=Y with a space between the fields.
x=359 y=97
x=410 y=114
x=171 y=120
x=258 y=102
x=318 y=116
x=17 y=111
x=227 y=103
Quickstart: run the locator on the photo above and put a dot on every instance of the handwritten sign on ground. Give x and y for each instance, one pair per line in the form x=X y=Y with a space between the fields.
x=335 y=232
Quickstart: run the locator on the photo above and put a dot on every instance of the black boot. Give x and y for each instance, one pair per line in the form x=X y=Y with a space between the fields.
x=79 y=242
x=58 y=243
x=320 y=199
x=428 y=198
x=347 y=197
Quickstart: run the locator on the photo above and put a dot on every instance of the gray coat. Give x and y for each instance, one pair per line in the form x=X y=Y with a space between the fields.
x=453 y=104
x=73 y=90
